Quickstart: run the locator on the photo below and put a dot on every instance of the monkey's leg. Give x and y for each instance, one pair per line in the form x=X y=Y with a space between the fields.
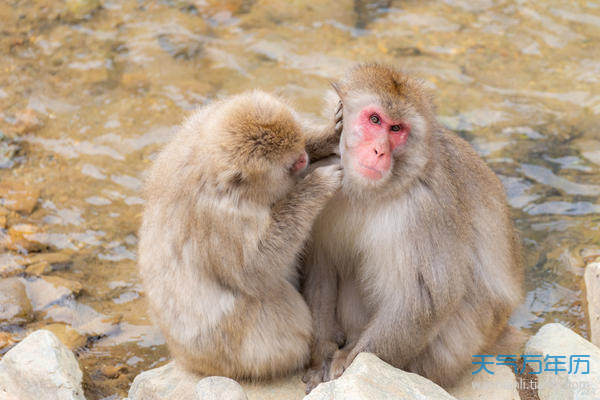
x=278 y=341
x=320 y=292
x=471 y=330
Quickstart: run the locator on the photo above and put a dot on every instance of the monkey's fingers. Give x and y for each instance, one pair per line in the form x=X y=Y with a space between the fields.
x=339 y=364
x=339 y=118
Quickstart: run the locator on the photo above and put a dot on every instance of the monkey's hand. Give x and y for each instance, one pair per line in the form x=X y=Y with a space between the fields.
x=327 y=178
x=339 y=118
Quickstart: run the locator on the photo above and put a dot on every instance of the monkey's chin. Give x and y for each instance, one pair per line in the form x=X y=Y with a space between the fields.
x=369 y=172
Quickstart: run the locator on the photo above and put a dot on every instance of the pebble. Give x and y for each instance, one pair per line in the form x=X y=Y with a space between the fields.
x=15 y=307
x=21 y=237
x=37 y=269
x=113 y=371
x=56 y=260
x=74 y=286
x=6 y=339
x=27 y=122
x=67 y=335
x=18 y=197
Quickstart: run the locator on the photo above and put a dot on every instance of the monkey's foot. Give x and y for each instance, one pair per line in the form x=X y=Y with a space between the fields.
x=340 y=361
x=313 y=376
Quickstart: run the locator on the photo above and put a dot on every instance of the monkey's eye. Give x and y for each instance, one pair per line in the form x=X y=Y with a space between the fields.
x=395 y=128
x=375 y=119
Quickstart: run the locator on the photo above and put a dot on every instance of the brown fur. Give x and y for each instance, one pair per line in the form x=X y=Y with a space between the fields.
x=222 y=227
x=422 y=267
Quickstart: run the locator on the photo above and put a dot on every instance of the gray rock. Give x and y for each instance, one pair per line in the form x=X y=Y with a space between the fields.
x=219 y=388
x=557 y=340
x=40 y=366
x=592 y=286
x=369 y=378
x=14 y=303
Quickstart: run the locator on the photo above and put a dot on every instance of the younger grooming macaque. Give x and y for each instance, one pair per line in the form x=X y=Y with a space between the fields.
x=415 y=259
x=226 y=217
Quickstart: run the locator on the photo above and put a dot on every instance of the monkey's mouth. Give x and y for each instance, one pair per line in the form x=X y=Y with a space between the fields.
x=370 y=172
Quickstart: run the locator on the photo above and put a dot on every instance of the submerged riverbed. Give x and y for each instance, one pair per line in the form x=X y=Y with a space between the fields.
x=90 y=91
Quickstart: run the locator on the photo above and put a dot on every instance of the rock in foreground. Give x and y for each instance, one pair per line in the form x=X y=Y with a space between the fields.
x=369 y=378
x=172 y=382
x=38 y=367
x=557 y=340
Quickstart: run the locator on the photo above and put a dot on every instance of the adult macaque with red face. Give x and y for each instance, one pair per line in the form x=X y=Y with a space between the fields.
x=415 y=259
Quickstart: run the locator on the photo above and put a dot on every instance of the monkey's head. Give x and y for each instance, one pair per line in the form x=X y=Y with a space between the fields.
x=263 y=144
x=387 y=126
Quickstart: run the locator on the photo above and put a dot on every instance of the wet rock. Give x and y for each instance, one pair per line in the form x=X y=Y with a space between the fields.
x=8 y=152
x=483 y=386
x=57 y=261
x=219 y=388
x=73 y=286
x=67 y=335
x=15 y=307
x=101 y=326
x=277 y=12
x=6 y=339
x=18 y=197
x=180 y=46
x=27 y=122
x=557 y=340
x=80 y=9
x=44 y=293
x=113 y=371
x=368 y=377
x=22 y=238
x=40 y=366
x=38 y=269
x=592 y=287
x=10 y=264
x=2 y=222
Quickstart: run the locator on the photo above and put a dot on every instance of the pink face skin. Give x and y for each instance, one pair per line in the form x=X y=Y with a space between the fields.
x=300 y=164
x=378 y=136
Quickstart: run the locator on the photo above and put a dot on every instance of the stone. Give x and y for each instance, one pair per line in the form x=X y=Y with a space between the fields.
x=67 y=335
x=113 y=371
x=502 y=385
x=557 y=340
x=166 y=382
x=80 y=9
x=22 y=237
x=38 y=269
x=219 y=388
x=172 y=382
x=27 y=122
x=15 y=307
x=368 y=378
x=6 y=339
x=2 y=221
x=10 y=264
x=592 y=288
x=73 y=286
x=18 y=197
x=56 y=260
x=40 y=366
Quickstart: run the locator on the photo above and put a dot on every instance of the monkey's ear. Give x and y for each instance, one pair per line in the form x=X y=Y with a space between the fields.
x=338 y=89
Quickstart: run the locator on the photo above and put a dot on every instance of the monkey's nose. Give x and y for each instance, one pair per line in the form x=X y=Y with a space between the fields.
x=379 y=151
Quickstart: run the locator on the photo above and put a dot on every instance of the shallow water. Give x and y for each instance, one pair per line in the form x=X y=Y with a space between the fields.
x=88 y=98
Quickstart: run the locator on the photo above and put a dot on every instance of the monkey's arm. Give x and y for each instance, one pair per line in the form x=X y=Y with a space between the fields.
x=323 y=141
x=268 y=266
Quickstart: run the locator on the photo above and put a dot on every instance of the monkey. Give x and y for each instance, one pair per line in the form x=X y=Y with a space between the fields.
x=415 y=258
x=227 y=213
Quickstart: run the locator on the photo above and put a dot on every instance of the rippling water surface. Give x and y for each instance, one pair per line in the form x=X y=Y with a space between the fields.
x=89 y=95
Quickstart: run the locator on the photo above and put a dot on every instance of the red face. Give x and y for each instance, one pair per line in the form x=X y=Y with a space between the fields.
x=377 y=137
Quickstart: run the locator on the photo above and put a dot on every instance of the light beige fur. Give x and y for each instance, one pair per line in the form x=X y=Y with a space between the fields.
x=224 y=222
x=421 y=267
